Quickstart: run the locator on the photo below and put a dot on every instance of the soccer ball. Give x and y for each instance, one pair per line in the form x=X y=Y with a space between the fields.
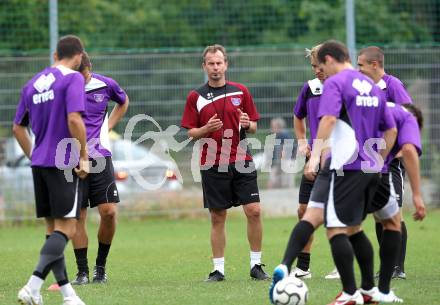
x=290 y=291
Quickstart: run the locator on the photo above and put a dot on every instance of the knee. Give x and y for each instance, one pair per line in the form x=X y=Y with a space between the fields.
x=108 y=214
x=218 y=217
x=70 y=232
x=391 y=224
x=253 y=212
x=301 y=210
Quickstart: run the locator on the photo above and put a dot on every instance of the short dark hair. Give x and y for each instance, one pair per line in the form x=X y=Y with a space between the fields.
x=373 y=53
x=85 y=62
x=415 y=111
x=69 y=46
x=214 y=48
x=335 y=49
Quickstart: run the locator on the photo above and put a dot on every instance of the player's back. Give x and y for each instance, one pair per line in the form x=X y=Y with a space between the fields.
x=408 y=131
x=361 y=108
x=45 y=102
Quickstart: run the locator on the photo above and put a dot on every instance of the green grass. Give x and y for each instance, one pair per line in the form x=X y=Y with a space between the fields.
x=165 y=261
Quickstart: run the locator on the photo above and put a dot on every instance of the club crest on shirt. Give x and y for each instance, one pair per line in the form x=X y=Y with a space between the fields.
x=236 y=101
x=99 y=97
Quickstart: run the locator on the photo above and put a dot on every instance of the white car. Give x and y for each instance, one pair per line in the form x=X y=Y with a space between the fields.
x=136 y=168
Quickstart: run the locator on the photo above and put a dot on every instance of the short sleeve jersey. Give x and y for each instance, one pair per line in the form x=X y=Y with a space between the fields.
x=205 y=102
x=362 y=116
x=307 y=105
x=408 y=131
x=100 y=90
x=45 y=102
x=394 y=89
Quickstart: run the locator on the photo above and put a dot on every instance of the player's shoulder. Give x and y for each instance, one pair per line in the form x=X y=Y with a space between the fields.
x=391 y=79
x=392 y=82
x=399 y=112
x=314 y=85
x=97 y=82
x=105 y=79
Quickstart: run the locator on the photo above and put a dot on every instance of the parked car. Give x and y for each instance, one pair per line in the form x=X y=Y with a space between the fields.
x=131 y=169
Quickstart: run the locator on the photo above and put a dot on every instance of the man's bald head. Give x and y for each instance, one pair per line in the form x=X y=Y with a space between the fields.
x=373 y=54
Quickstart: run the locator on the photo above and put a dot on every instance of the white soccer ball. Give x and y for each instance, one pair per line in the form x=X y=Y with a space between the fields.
x=290 y=291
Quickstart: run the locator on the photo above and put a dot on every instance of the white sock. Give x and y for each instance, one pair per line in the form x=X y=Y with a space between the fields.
x=255 y=258
x=35 y=284
x=219 y=264
x=67 y=290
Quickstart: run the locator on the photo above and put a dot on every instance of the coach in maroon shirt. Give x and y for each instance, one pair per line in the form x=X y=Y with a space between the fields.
x=220 y=113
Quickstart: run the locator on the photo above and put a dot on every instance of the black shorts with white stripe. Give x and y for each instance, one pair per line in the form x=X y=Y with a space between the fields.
x=397 y=172
x=100 y=187
x=55 y=195
x=344 y=197
x=389 y=193
x=224 y=188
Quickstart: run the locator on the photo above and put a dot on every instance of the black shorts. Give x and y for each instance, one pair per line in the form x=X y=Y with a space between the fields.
x=225 y=189
x=345 y=197
x=55 y=196
x=320 y=187
x=388 y=197
x=100 y=187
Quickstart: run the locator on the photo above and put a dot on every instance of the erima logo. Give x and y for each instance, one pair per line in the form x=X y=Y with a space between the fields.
x=210 y=95
x=364 y=99
x=44 y=82
x=254 y=194
x=115 y=193
x=42 y=85
x=363 y=87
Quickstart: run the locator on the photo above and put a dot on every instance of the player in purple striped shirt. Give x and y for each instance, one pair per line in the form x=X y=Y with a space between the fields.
x=100 y=188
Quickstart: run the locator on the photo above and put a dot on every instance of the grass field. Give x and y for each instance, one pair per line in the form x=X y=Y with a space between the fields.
x=155 y=262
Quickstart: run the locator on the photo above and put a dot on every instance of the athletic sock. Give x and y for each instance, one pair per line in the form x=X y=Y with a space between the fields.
x=51 y=251
x=255 y=258
x=35 y=283
x=401 y=260
x=67 y=290
x=389 y=252
x=379 y=230
x=303 y=261
x=342 y=252
x=363 y=250
x=81 y=260
x=219 y=264
x=103 y=250
x=298 y=240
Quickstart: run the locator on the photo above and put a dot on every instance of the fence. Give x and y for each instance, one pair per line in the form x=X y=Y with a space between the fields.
x=152 y=48
x=157 y=85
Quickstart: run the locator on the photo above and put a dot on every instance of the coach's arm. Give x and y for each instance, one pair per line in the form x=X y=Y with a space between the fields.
x=23 y=138
x=212 y=125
